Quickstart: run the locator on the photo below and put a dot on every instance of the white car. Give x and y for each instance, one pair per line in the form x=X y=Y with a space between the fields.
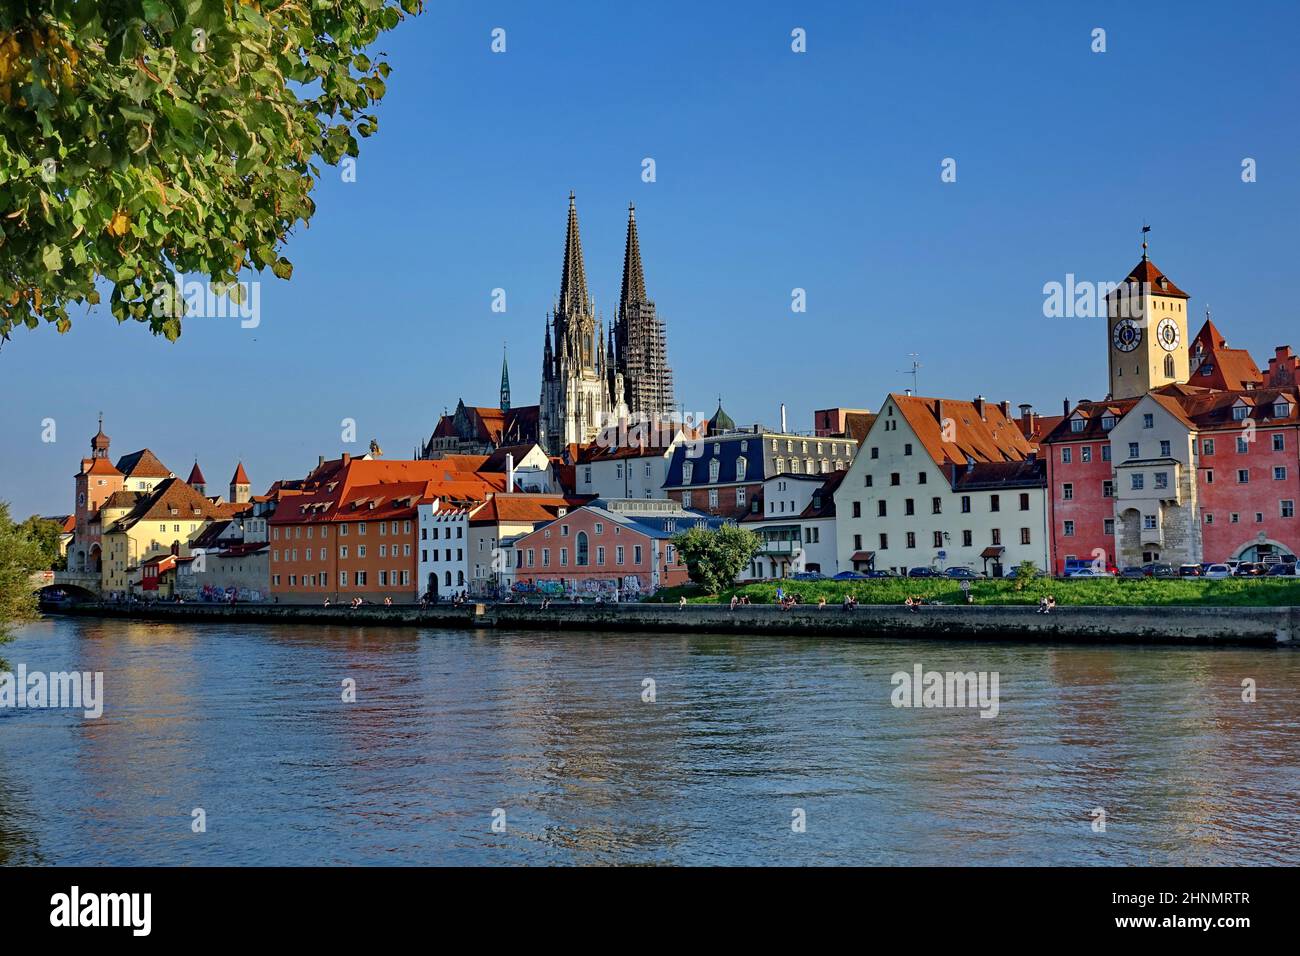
x=1217 y=572
x=1090 y=573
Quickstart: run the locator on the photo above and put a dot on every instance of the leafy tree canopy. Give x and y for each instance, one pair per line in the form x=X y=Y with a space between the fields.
x=20 y=555
x=714 y=558
x=142 y=138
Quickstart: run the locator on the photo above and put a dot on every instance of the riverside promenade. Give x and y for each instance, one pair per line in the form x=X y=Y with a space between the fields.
x=1261 y=626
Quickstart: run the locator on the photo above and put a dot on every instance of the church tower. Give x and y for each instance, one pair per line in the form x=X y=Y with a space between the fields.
x=241 y=489
x=1147 y=337
x=575 y=402
x=639 y=346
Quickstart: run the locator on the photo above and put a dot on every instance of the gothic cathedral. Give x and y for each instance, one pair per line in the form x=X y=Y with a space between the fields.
x=588 y=382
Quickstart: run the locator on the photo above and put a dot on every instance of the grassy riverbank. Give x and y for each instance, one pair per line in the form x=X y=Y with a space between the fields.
x=1114 y=592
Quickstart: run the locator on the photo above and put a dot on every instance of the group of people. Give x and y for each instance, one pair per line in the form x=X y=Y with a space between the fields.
x=913 y=603
x=1046 y=604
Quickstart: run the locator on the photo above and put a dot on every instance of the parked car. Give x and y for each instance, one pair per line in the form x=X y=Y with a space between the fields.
x=923 y=573
x=1281 y=571
x=1248 y=569
x=808 y=576
x=1158 y=569
x=1079 y=564
x=1015 y=573
x=1089 y=573
x=850 y=576
x=1216 y=572
x=880 y=574
x=962 y=573
x=1189 y=571
x=1133 y=573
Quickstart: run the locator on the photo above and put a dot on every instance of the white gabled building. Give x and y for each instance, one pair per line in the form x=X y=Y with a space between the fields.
x=443 y=541
x=939 y=483
x=794 y=515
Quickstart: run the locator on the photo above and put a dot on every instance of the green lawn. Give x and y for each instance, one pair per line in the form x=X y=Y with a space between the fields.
x=1230 y=592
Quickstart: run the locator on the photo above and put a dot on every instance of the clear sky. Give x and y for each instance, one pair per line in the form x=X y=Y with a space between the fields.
x=775 y=170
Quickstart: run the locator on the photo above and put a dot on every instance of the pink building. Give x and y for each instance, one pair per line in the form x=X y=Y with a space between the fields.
x=611 y=545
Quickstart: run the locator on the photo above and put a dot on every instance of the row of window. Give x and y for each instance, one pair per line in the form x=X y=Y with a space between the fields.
x=1207 y=446
x=1286 y=509
x=527 y=557
x=936 y=505
x=295 y=531
x=424 y=555
x=741 y=498
x=359 y=579
x=291 y=554
x=941 y=539
x=460 y=532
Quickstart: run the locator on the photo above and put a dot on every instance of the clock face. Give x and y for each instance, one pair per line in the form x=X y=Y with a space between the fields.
x=1167 y=334
x=1127 y=335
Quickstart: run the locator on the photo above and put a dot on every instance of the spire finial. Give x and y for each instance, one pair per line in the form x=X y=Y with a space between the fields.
x=1145 y=230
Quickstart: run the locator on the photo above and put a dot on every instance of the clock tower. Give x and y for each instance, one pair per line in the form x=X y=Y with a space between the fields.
x=1146 y=332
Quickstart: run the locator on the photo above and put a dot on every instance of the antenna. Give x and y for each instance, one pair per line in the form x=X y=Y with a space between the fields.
x=916 y=366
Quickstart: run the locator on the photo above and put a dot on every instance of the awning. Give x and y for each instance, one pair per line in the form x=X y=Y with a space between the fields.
x=863 y=556
x=993 y=551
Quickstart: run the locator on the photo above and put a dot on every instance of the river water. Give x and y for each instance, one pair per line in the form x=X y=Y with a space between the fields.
x=754 y=750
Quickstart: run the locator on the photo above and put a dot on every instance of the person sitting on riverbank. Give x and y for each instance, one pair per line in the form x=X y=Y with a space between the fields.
x=1049 y=604
x=327 y=602
x=734 y=601
x=681 y=602
x=913 y=604
x=821 y=602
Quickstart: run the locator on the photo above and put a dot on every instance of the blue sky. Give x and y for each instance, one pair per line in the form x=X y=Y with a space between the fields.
x=775 y=170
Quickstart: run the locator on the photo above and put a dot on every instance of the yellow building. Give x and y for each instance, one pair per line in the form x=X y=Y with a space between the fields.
x=136 y=526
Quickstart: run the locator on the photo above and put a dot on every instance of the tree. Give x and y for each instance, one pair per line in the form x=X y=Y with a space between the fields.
x=20 y=555
x=46 y=534
x=145 y=139
x=714 y=558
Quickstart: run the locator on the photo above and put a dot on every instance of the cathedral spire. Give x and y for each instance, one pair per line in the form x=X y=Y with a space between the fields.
x=573 y=283
x=633 y=274
x=505 y=381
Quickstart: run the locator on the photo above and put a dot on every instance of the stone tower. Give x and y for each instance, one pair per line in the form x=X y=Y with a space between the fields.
x=575 y=400
x=241 y=490
x=639 y=347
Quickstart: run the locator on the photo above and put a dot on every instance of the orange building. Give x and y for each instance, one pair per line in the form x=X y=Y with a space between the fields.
x=349 y=529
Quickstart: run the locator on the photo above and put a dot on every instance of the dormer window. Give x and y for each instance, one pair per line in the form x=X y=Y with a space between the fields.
x=1077 y=424
x=688 y=469
x=714 y=468
x=1107 y=422
x=1282 y=410
x=1239 y=413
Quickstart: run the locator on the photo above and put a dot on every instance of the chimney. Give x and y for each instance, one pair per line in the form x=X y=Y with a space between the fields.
x=907 y=391
x=1027 y=417
x=938 y=410
x=1005 y=406
x=346 y=458
x=510 y=472
x=979 y=406
x=783 y=431
x=1065 y=408
x=320 y=461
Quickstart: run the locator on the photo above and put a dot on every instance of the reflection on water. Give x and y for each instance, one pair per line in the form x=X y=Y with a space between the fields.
x=248 y=723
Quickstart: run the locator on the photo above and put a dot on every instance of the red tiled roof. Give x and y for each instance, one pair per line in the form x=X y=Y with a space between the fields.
x=101 y=466
x=993 y=437
x=1146 y=271
x=523 y=508
x=241 y=476
x=142 y=464
x=196 y=476
x=172 y=495
x=1229 y=369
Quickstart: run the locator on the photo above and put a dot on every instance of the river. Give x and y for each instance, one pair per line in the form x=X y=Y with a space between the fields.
x=754 y=750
